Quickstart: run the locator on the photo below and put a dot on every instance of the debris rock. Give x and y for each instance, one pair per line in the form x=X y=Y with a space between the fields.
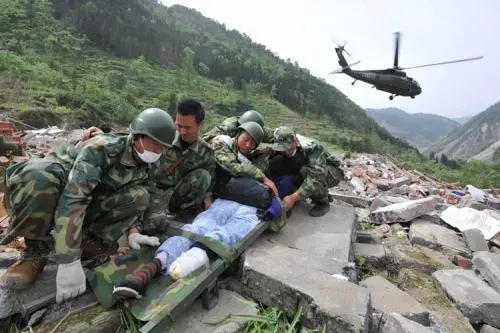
x=472 y=296
x=488 y=266
x=474 y=239
x=437 y=237
x=388 y=298
x=405 y=211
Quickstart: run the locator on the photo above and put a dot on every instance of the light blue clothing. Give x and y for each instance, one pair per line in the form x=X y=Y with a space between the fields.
x=226 y=221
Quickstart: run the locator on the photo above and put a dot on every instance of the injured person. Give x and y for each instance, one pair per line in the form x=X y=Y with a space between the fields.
x=245 y=197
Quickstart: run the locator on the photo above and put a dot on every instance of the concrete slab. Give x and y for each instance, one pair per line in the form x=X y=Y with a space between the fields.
x=488 y=266
x=437 y=237
x=388 y=298
x=405 y=211
x=297 y=267
x=396 y=323
x=199 y=320
x=42 y=293
x=472 y=296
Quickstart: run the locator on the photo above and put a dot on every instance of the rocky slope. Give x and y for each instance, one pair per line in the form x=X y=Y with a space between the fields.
x=477 y=139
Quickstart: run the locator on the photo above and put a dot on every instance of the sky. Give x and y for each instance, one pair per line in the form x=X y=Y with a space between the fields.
x=432 y=31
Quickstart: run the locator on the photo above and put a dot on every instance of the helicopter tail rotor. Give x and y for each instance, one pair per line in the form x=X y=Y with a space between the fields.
x=342 y=47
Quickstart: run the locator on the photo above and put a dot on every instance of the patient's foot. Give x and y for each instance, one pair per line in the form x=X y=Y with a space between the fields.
x=135 y=284
x=188 y=263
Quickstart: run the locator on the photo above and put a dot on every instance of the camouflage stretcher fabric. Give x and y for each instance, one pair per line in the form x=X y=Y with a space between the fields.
x=163 y=294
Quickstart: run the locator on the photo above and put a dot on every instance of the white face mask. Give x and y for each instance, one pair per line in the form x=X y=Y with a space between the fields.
x=147 y=156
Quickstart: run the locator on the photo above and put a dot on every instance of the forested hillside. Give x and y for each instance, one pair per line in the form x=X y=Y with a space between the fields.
x=102 y=60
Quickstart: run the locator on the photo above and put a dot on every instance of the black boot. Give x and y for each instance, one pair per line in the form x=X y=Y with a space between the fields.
x=319 y=209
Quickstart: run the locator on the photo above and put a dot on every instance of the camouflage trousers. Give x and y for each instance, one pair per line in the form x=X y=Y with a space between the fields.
x=32 y=197
x=187 y=195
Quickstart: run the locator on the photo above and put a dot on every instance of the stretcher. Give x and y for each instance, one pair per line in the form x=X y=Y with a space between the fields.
x=164 y=298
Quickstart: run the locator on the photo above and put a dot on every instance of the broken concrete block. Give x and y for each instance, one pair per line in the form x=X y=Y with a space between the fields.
x=405 y=211
x=475 y=241
x=420 y=258
x=283 y=277
x=488 y=266
x=396 y=323
x=399 y=181
x=471 y=295
x=199 y=320
x=468 y=218
x=385 y=200
x=301 y=265
x=372 y=254
x=437 y=237
x=489 y=329
x=388 y=298
x=353 y=200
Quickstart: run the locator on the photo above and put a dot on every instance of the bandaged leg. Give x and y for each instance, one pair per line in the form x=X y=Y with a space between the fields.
x=236 y=228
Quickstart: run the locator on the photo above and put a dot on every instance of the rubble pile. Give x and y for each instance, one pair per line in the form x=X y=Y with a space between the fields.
x=421 y=244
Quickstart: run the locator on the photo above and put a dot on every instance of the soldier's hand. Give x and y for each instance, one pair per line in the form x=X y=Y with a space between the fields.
x=91 y=132
x=207 y=203
x=271 y=185
x=70 y=281
x=290 y=200
x=135 y=240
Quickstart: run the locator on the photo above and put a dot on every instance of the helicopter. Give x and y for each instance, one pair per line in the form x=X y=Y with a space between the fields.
x=392 y=80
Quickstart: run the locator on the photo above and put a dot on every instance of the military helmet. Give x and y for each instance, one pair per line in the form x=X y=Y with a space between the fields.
x=251 y=115
x=156 y=124
x=254 y=130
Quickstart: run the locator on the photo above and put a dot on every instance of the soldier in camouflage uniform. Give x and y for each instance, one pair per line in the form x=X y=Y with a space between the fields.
x=186 y=173
x=304 y=169
x=97 y=188
x=230 y=126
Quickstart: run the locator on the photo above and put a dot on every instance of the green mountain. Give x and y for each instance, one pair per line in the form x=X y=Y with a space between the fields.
x=83 y=62
x=479 y=138
x=420 y=129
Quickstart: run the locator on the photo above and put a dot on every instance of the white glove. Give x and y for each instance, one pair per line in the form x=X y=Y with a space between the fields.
x=70 y=281
x=135 y=240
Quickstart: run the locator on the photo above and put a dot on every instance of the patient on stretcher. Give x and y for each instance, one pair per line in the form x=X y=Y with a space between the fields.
x=225 y=221
x=245 y=196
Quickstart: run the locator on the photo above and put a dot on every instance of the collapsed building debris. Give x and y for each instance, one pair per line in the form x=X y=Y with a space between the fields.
x=416 y=239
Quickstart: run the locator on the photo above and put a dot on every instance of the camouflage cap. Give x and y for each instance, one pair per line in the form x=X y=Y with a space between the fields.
x=283 y=138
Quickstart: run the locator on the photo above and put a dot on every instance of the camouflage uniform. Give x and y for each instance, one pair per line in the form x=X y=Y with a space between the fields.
x=184 y=179
x=308 y=166
x=96 y=186
x=229 y=160
x=229 y=127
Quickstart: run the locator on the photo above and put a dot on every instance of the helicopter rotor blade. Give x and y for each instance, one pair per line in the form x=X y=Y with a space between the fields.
x=445 y=62
x=346 y=67
x=397 y=35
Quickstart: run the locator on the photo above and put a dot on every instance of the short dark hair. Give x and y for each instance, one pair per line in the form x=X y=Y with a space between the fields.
x=191 y=107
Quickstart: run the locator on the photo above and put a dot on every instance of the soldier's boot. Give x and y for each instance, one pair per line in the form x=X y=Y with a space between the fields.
x=25 y=272
x=320 y=208
x=93 y=248
x=135 y=284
